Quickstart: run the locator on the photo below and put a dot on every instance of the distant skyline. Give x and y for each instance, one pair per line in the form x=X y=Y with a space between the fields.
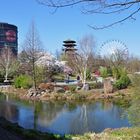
x=66 y=23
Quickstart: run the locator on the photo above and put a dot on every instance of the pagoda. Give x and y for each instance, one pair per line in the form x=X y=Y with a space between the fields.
x=69 y=47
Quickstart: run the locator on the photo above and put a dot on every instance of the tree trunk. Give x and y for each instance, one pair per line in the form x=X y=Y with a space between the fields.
x=6 y=74
x=34 y=75
x=84 y=76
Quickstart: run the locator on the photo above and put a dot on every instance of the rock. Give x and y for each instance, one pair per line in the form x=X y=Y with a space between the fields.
x=48 y=91
x=86 y=87
x=108 y=86
x=78 y=88
x=43 y=92
x=33 y=92
x=67 y=92
x=38 y=95
x=59 y=90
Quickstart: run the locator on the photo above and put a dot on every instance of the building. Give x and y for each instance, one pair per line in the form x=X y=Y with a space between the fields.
x=70 y=53
x=69 y=49
x=9 y=37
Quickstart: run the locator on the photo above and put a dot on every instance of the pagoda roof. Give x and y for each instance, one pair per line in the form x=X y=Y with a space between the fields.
x=69 y=45
x=69 y=41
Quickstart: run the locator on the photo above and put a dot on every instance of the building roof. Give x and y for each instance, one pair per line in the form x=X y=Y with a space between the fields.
x=69 y=41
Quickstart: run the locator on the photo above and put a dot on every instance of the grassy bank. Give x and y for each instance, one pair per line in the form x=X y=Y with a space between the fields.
x=116 y=134
x=108 y=134
x=14 y=128
x=80 y=95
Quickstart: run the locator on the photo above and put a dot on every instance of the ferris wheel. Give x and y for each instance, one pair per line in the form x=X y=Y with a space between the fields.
x=112 y=48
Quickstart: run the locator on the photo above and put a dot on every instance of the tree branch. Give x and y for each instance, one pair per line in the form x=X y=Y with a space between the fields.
x=50 y=3
x=98 y=6
x=99 y=11
x=117 y=22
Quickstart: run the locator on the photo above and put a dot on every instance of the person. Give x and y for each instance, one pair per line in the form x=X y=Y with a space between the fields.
x=78 y=78
x=67 y=78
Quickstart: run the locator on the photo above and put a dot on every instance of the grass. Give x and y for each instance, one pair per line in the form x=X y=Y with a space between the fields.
x=109 y=134
x=116 y=134
x=27 y=134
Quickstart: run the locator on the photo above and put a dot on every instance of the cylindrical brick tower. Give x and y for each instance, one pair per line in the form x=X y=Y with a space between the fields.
x=9 y=37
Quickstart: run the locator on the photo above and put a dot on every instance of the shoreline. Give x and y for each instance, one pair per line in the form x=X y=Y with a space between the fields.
x=12 y=131
x=109 y=134
x=91 y=95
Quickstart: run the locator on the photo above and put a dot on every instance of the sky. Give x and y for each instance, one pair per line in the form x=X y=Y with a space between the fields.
x=67 y=23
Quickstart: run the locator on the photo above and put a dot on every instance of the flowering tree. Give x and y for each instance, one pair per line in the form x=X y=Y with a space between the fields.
x=67 y=70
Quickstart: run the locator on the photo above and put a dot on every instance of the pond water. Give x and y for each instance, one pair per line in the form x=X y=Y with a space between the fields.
x=62 y=117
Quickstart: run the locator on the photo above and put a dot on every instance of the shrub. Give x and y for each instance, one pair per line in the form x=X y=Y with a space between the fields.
x=88 y=74
x=122 y=79
x=72 y=88
x=96 y=85
x=23 y=81
x=116 y=72
x=103 y=72
x=134 y=110
x=123 y=82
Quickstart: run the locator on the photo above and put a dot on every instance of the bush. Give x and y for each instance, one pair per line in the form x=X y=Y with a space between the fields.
x=88 y=74
x=23 y=81
x=123 y=82
x=134 y=110
x=72 y=88
x=96 y=85
x=116 y=72
x=103 y=72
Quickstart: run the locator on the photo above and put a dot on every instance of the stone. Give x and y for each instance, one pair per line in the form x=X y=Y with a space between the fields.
x=67 y=92
x=78 y=88
x=59 y=90
x=33 y=93
x=108 y=86
x=86 y=87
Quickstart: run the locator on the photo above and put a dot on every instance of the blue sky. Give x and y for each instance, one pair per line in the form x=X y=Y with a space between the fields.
x=66 y=23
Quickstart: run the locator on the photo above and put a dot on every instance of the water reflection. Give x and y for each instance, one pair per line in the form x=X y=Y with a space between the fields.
x=63 y=118
x=7 y=110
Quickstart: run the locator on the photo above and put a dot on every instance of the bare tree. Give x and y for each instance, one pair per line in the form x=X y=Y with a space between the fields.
x=24 y=67
x=116 y=61
x=133 y=64
x=82 y=59
x=117 y=58
x=32 y=50
x=8 y=62
x=106 y=7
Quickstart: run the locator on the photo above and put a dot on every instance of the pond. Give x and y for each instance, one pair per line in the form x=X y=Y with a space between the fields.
x=63 y=117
